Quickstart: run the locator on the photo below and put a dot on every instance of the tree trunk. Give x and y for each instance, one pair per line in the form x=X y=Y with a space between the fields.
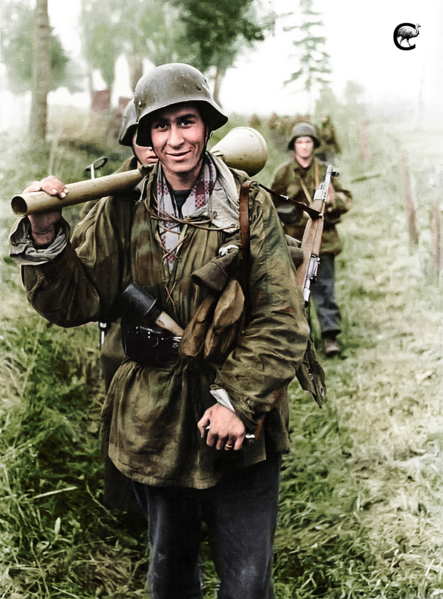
x=41 y=70
x=219 y=76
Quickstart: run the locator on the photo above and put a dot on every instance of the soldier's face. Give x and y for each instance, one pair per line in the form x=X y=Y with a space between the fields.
x=303 y=147
x=179 y=138
x=145 y=154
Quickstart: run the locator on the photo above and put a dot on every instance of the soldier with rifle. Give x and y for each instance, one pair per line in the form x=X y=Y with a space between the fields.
x=298 y=179
x=195 y=262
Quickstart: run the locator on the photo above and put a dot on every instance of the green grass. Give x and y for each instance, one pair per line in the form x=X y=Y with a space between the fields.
x=360 y=506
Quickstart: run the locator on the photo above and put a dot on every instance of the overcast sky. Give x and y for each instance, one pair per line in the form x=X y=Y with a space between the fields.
x=359 y=40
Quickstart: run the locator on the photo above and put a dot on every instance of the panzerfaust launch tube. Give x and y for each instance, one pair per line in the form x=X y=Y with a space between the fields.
x=80 y=192
x=242 y=148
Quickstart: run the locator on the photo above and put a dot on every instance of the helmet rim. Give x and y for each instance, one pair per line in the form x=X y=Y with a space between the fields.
x=128 y=125
x=303 y=130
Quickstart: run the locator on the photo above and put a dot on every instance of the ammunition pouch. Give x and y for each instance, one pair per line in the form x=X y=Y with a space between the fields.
x=226 y=324
x=148 y=347
x=213 y=331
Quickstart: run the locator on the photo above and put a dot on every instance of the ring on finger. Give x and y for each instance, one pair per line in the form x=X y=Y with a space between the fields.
x=228 y=447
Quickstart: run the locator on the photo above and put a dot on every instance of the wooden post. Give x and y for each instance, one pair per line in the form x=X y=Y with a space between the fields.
x=437 y=259
x=411 y=208
x=365 y=147
x=101 y=100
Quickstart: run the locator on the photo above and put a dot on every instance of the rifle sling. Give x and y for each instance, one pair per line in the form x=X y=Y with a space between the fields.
x=312 y=213
x=245 y=247
x=316 y=181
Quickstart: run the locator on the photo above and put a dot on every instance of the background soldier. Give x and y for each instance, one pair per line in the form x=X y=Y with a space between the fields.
x=299 y=179
x=127 y=137
x=178 y=421
x=329 y=146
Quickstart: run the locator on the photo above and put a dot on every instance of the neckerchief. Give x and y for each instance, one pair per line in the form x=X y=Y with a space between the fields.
x=197 y=199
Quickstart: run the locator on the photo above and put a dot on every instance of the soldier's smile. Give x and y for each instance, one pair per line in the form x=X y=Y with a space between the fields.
x=179 y=138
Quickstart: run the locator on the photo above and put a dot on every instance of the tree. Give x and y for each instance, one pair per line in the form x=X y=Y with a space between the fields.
x=151 y=29
x=136 y=28
x=101 y=44
x=41 y=70
x=313 y=58
x=217 y=30
x=205 y=33
x=17 y=23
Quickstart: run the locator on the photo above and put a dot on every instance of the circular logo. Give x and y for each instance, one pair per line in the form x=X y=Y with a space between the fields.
x=403 y=34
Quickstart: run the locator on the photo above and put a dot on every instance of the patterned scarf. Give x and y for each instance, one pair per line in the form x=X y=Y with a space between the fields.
x=197 y=199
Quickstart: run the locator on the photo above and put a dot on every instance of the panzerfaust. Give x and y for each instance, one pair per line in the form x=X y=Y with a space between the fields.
x=243 y=148
x=80 y=192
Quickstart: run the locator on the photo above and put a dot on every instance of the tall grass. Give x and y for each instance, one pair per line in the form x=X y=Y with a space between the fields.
x=375 y=498
x=360 y=506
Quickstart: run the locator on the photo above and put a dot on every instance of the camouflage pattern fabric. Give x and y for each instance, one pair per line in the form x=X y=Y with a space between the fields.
x=328 y=139
x=152 y=412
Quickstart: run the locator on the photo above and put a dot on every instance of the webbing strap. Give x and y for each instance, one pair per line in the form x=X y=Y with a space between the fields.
x=245 y=253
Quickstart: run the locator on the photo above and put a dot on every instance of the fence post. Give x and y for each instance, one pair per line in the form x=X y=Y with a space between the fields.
x=364 y=142
x=437 y=259
x=411 y=208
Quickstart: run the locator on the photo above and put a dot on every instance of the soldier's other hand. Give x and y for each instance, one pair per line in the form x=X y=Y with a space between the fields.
x=43 y=225
x=226 y=430
x=331 y=195
x=330 y=199
x=51 y=185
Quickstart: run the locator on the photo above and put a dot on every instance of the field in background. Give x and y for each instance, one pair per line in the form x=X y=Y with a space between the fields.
x=360 y=512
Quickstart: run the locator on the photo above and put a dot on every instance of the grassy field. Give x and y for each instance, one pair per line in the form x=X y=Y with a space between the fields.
x=360 y=509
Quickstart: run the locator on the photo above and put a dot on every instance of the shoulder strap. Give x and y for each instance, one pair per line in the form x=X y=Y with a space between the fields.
x=245 y=246
x=316 y=173
x=316 y=182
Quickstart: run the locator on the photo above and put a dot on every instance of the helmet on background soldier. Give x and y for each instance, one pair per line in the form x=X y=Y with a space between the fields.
x=303 y=130
x=128 y=125
x=171 y=84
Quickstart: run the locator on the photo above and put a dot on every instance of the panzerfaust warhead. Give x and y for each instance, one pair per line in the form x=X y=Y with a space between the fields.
x=311 y=242
x=242 y=148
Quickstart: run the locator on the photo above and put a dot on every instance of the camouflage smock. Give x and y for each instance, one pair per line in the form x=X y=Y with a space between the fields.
x=288 y=181
x=328 y=139
x=153 y=411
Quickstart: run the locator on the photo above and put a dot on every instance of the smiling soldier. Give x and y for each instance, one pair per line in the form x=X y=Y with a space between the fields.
x=178 y=422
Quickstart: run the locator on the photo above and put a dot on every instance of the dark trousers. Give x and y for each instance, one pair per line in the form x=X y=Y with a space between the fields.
x=241 y=512
x=323 y=294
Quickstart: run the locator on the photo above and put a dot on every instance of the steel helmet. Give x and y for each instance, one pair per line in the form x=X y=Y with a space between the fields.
x=128 y=126
x=171 y=84
x=303 y=130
